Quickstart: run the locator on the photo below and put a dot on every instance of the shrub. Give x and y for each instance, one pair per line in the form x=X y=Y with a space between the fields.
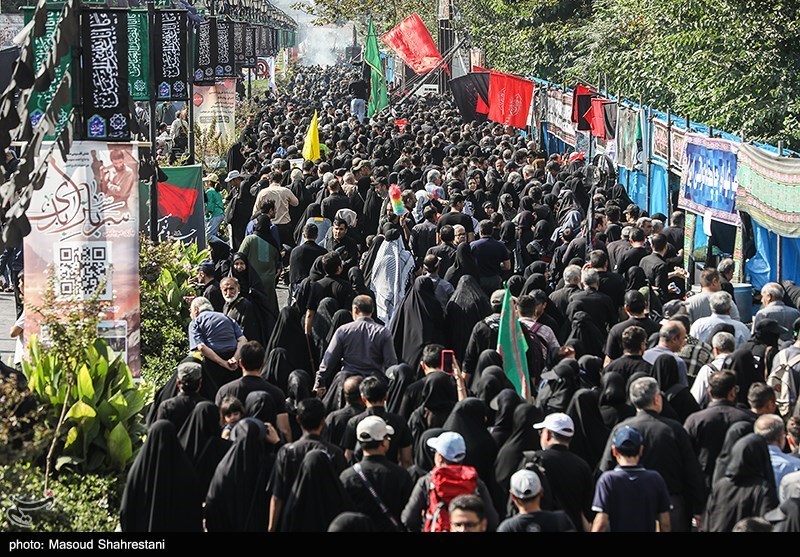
x=82 y=502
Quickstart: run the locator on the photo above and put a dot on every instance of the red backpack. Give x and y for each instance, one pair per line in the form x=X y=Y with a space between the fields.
x=447 y=483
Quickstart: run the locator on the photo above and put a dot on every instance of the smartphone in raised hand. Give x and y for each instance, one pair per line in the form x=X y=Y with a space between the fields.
x=448 y=357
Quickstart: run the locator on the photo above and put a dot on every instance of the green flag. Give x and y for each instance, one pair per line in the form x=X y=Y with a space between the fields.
x=512 y=346
x=377 y=81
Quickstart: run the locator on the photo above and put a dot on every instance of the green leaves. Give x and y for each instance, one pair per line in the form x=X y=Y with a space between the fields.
x=120 y=447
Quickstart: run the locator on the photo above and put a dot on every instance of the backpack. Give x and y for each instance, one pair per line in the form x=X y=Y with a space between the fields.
x=537 y=347
x=784 y=380
x=447 y=483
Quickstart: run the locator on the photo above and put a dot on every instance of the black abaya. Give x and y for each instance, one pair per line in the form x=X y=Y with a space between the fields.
x=504 y=403
x=237 y=499
x=316 y=498
x=289 y=335
x=469 y=419
x=591 y=433
x=400 y=376
x=200 y=438
x=418 y=322
x=162 y=492
x=467 y=305
x=464 y=264
x=523 y=438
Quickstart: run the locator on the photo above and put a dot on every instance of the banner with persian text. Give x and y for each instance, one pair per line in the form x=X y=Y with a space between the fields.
x=84 y=240
x=215 y=106
x=709 y=182
x=171 y=73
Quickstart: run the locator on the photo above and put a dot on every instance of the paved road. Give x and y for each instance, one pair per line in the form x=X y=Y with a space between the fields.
x=7 y=317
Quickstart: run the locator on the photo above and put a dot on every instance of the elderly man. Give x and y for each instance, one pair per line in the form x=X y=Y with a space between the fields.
x=773 y=430
x=241 y=310
x=772 y=307
x=218 y=337
x=671 y=338
x=698 y=305
x=720 y=304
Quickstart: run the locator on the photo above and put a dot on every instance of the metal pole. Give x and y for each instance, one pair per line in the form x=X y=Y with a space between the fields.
x=649 y=148
x=779 y=251
x=669 y=163
x=151 y=22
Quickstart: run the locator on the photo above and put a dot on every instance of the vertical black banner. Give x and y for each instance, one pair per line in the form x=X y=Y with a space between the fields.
x=275 y=42
x=262 y=41
x=225 y=56
x=269 y=43
x=205 y=52
x=249 y=47
x=105 y=74
x=171 y=56
x=238 y=44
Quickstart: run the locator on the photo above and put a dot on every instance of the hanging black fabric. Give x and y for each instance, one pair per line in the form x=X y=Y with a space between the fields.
x=468 y=91
x=238 y=43
x=171 y=56
x=205 y=52
x=249 y=47
x=225 y=51
x=104 y=34
x=269 y=47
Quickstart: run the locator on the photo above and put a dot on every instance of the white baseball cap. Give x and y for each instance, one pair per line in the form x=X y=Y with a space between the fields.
x=525 y=484
x=373 y=428
x=557 y=423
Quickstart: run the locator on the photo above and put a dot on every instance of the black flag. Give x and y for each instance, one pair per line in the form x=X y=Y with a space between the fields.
x=471 y=93
x=225 y=62
x=105 y=74
x=205 y=52
x=238 y=43
x=249 y=47
x=171 y=56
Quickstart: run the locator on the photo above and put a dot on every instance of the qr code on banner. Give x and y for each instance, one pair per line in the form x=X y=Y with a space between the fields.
x=81 y=268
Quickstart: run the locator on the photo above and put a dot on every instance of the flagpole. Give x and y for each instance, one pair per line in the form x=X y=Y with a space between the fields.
x=151 y=22
x=445 y=59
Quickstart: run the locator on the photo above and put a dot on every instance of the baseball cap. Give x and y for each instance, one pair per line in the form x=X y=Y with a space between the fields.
x=627 y=437
x=557 y=422
x=497 y=297
x=373 y=428
x=450 y=445
x=672 y=308
x=190 y=368
x=232 y=175
x=525 y=484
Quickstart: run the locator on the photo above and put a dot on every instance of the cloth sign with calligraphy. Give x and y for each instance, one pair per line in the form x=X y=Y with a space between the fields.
x=172 y=83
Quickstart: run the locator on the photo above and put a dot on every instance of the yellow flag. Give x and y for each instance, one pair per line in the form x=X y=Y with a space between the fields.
x=311 y=144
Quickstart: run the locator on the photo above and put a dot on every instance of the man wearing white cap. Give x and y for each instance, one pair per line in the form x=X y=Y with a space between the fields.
x=378 y=487
x=450 y=450
x=569 y=477
x=526 y=494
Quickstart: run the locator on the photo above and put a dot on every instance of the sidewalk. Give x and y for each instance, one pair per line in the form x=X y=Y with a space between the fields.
x=8 y=316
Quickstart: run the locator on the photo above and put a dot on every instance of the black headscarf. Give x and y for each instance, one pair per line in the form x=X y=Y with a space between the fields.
x=419 y=321
x=260 y=405
x=515 y=284
x=317 y=496
x=262 y=229
x=561 y=384
x=349 y=521
x=277 y=368
x=523 y=438
x=237 y=500
x=289 y=334
x=469 y=419
x=200 y=438
x=400 y=376
x=535 y=281
x=591 y=366
x=423 y=454
x=587 y=333
x=736 y=431
x=162 y=492
x=467 y=305
x=487 y=358
x=747 y=489
x=505 y=402
x=464 y=264
x=619 y=195
x=491 y=382
x=614 y=405
x=356 y=277
x=244 y=276
x=368 y=261
x=743 y=364
x=591 y=432
x=313 y=210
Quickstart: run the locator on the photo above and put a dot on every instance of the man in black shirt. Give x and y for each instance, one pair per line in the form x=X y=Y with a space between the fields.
x=569 y=477
x=374 y=391
x=336 y=200
x=446 y=249
x=491 y=257
x=456 y=216
x=304 y=255
x=526 y=494
x=611 y=284
x=358 y=106
x=341 y=242
x=336 y=421
x=655 y=267
x=423 y=235
x=674 y=232
x=209 y=285
x=311 y=417
x=635 y=307
x=178 y=408
x=599 y=306
x=251 y=360
x=632 y=256
x=376 y=478
x=633 y=341
x=562 y=296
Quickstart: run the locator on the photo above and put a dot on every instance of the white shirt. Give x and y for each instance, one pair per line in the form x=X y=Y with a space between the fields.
x=703 y=327
x=19 y=347
x=699 y=388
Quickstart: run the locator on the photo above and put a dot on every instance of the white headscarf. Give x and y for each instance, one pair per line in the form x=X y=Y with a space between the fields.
x=393 y=268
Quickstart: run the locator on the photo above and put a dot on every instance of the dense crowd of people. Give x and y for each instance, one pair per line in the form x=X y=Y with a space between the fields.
x=372 y=396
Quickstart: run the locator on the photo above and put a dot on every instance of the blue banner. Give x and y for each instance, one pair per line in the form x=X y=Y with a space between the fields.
x=708 y=184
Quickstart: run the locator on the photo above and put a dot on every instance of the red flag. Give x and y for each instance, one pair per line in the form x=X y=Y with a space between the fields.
x=412 y=42
x=509 y=99
x=579 y=92
x=595 y=117
x=176 y=201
